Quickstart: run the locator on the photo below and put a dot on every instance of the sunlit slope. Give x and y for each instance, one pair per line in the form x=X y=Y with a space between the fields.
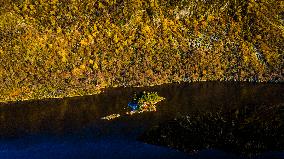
x=64 y=48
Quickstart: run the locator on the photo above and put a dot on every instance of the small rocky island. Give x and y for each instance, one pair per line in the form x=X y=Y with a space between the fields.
x=141 y=102
x=145 y=101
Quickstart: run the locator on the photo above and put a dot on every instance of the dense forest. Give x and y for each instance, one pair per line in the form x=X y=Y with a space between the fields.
x=59 y=48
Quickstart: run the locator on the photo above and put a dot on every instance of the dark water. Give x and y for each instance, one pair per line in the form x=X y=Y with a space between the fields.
x=72 y=128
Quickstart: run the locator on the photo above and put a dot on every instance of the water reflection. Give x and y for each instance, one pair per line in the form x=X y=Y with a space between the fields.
x=246 y=130
x=64 y=116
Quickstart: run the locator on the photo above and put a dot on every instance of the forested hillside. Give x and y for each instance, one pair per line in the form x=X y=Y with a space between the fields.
x=58 y=48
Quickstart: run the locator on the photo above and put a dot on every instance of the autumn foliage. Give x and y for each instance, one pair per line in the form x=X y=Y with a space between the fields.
x=57 y=48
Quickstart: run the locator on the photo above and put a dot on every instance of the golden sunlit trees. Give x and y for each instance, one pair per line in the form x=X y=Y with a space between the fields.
x=64 y=48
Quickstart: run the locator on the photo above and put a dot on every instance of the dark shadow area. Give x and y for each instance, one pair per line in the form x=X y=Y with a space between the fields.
x=247 y=130
x=56 y=126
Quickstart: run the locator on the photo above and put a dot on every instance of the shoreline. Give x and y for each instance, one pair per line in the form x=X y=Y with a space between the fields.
x=101 y=90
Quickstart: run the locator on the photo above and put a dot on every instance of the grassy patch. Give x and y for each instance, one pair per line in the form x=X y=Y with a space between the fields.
x=145 y=101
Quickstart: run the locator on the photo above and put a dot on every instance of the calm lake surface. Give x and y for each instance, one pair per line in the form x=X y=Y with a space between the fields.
x=72 y=128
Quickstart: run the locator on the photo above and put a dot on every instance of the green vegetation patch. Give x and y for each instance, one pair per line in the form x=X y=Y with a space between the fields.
x=142 y=102
x=145 y=101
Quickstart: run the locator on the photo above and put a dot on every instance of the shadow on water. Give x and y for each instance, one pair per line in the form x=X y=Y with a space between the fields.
x=193 y=116
x=248 y=130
